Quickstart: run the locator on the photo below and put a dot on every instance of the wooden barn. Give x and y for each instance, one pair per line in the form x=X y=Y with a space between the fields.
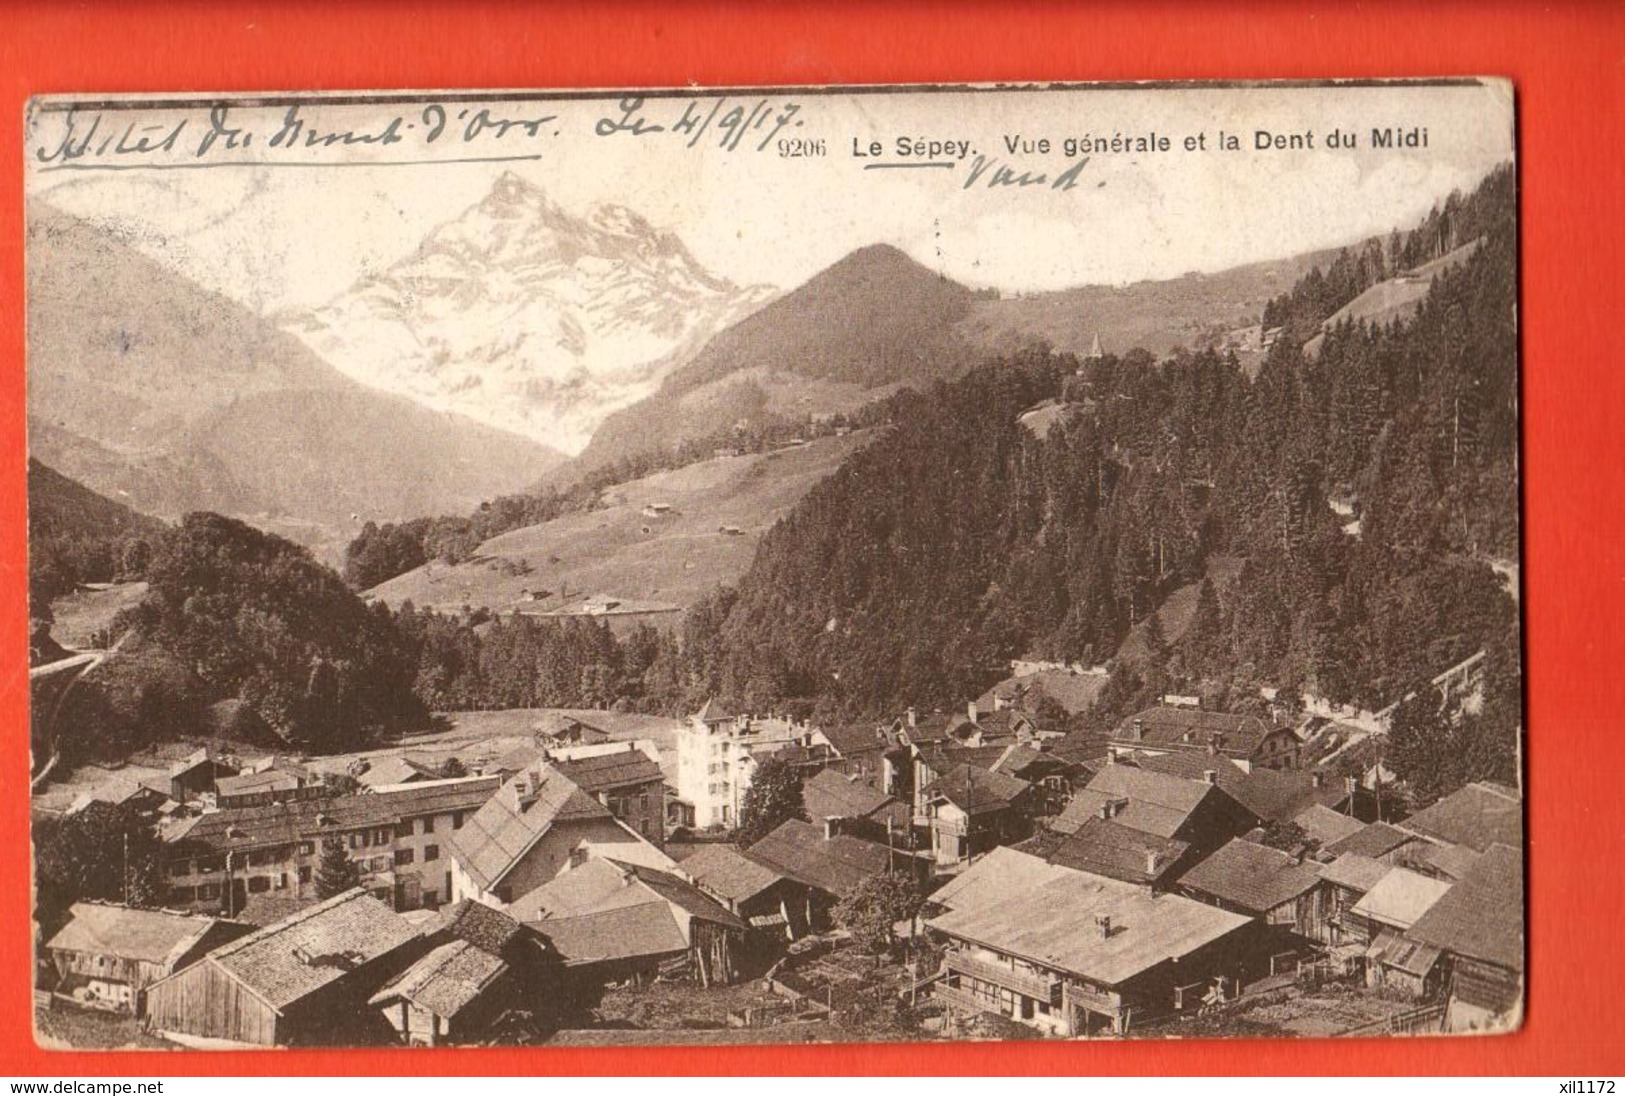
x=108 y=955
x=304 y=980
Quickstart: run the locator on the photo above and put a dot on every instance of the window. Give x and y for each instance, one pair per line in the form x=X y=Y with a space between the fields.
x=306 y=848
x=380 y=836
x=403 y=856
x=209 y=892
x=431 y=852
x=304 y=874
x=180 y=867
x=210 y=863
x=403 y=828
x=181 y=895
x=426 y=825
x=281 y=880
x=379 y=863
x=456 y=820
x=643 y=826
x=358 y=840
x=259 y=884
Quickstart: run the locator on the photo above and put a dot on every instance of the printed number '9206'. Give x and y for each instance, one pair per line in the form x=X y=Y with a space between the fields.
x=790 y=147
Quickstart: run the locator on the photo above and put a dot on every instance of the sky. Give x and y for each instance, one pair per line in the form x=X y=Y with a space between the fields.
x=286 y=228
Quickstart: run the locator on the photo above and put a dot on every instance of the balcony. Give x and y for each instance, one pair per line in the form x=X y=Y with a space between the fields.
x=959 y=999
x=1036 y=986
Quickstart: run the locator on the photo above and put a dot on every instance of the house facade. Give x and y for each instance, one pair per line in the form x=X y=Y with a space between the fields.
x=107 y=955
x=717 y=754
x=398 y=839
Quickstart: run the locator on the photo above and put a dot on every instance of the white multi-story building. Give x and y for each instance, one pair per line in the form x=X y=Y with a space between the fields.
x=717 y=754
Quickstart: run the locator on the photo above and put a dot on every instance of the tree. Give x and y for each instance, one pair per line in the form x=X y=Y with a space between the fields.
x=875 y=905
x=336 y=873
x=1288 y=836
x=103 y=852
x=773 y=798
x=1423 y=748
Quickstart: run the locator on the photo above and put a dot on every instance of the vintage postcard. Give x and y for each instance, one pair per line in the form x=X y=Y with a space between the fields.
x=775 y=565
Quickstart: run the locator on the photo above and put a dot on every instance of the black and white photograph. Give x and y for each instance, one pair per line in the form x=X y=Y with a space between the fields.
x=775 y=565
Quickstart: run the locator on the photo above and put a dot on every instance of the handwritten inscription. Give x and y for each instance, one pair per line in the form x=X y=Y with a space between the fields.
x=726 y=121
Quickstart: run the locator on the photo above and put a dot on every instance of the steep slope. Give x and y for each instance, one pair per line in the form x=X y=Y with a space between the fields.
x=158 y=393
x=61 y=507
x=524 y=317
x=718 y=509
x=856 y=330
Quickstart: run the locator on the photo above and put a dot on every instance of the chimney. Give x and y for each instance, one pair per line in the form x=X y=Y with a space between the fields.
x=832 y=826
x=1137 y=730
x=971 y=712
x=1352 y=783
x=1103 y=923
x=913 y=717
x=1215 y=743
x=1317 y=779
x=1210 y=776
x=1111 y=755
x=1151 y=862
x=1105 y=812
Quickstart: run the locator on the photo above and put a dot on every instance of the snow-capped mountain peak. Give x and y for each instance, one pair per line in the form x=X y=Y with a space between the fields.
x=527 y=317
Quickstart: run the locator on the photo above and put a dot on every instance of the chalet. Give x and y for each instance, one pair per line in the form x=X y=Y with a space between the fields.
x=1052 y=777
x=1347 y=879
x=1385 y=914
x=278 y=782
x=1477 y=816
x=1078 y=954
x=1249 y=741
x=773 y=904
x=972 y=810
x=1478 y=926
x=482 y=963
x=1118 y=852
x=108 y=955
x=1197 y=812
x=626 y=781
x=861 y=809
x=829 y=863
x=386 y=772
x=1281 y=795
x=302 y=981
x=993 y=878
x=537 y=826
x=610 y=921
x=1324 y=826
x=555 y=729
x=196 y=774
x=1378 y=841
x=1074 y=688
x=1273 y=886
x=219 y=859
x=858 y=750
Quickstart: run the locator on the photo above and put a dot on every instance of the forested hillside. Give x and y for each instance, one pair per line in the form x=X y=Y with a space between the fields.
x=1367 y=491
x=76 y=535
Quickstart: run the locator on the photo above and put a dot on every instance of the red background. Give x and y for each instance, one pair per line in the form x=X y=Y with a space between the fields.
x=1566 y=60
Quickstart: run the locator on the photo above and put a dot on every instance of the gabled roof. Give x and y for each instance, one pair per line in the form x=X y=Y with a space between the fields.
x=716 y=711
x=147 y=936
x=1002 y=872
x=1399 y=898
x=1449 y=861
x=626 y=932
x=1055 y=926
x=1078 y=746
x=1277 y=795
x=393 y=770
x=1150 y=802
x=271 y=780
x=1376 y=840
x=1478 y=816
x=286 y=823
x=501 y=832
x=1392 y=949
x=855 y=739
x=602 y=884
x=828 y=794
x=1482 y=917
x=1326 y=825
x=1017 y=759
x=726 y=871
x=1193 y=766
x=1356 y=872
x=267 y=909
x=976 y=790
x=488 y=929
x=835 y=865
x=1117 y=852
x=602 y=772
x=1193 y=728
x=1254 y=877
x=445 y=981
x=314 y=948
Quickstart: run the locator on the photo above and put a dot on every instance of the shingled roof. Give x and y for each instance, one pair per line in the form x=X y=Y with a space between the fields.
x=1192 y=728
x=147 y=936
x=1055 y=925
x=1151 y=802
x=606 y=909
x=829 y=794
x=502 y=831
x=445 y=981
x=1478 y=816
x=836 y=865
x=1482 y=917
x=1400 y=898
x=976 y=790
x=1354 y=871
x=1376 y=840
x=314 y=948
x=602 y=772
x=1326 y=825
x=725 y=871
x=488 y=929
x=1252 y=877
x=995 y=877
x=855 y=739
x=287 y=823
x=1118 y=852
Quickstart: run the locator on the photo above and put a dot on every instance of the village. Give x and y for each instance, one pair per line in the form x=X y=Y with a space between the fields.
x=584 y=878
